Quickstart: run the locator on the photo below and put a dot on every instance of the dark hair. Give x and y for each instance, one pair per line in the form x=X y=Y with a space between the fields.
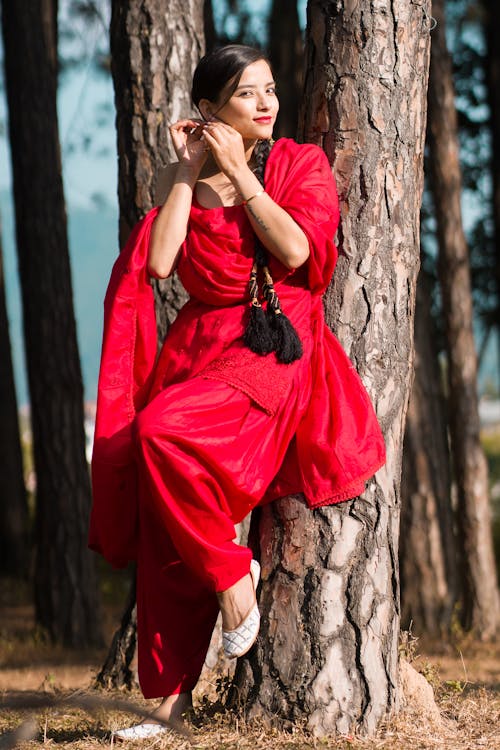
x=216 y=69
x=270 y=330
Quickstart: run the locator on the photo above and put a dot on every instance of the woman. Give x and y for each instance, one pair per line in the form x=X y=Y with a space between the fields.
x=251 y=398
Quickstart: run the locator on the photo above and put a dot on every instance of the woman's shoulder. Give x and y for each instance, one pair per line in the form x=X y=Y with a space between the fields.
x=291 y=164
x=289 y=147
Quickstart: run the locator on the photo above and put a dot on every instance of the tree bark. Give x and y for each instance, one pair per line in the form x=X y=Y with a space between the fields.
x=492 y=19
x=481 y=610
x=210 y=31
x=14 y=535
x=428 y=558
x=116 y=671
x=65 y=581
x=286 y=50
x=153 y=57
x=330 y=596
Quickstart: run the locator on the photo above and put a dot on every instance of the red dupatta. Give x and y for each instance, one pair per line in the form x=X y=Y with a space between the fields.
x=338 y=443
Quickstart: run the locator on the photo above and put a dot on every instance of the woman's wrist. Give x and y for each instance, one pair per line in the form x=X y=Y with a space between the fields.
x=187 y=174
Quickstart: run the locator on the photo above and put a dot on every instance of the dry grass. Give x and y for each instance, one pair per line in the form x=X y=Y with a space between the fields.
x=471 y=720
x=465 y=682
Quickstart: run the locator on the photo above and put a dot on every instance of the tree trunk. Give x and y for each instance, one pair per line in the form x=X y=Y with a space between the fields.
x=153 y=57
x=428 y=558
x=65 y=580
x=330 y=595
x=481 y=601
x=14 y=546
x=286 y=53
x=492 y=20
x=116 y=671
x=209 y=26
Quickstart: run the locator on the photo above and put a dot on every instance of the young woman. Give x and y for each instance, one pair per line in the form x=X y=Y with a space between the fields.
x=251 y=398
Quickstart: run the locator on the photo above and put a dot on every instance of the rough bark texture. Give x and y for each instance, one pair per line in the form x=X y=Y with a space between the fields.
x=65 y=580
x=286 y=55
x=14 y=547
x=428 y=557
x=481 y=601
x=330 y=597
x=492 y=20
x=116 y=671
x=209 y=25
x=154 y=49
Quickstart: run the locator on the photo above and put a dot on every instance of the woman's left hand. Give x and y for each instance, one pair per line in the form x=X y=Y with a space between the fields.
x=227 y=148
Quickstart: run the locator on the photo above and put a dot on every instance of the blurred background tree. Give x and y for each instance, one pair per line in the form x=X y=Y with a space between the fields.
x=65 y=583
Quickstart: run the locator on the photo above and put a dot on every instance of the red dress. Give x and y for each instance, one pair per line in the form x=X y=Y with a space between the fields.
x=338 y=443
x=187 y=444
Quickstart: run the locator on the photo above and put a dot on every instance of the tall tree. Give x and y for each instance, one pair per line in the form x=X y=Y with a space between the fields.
x=286 y=55
x=65 y=579
x=330 y=591
x=153 y=57
x=491 y=21
x=428 y=557
x=152 y=62
x=14 y=548
x=481 y=607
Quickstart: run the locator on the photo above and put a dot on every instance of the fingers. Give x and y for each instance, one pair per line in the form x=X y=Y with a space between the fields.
x=218 y=126
x=186 y=128
x=187 y=123
x=221 y=134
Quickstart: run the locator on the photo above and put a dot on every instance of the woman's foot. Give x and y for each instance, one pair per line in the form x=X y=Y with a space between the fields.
x=240 y=614
x=172 y=709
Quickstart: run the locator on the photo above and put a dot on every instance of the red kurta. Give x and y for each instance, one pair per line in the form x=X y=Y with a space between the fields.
x=338 y=443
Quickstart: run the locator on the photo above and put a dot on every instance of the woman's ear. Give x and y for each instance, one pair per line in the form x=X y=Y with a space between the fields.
x=206 y=108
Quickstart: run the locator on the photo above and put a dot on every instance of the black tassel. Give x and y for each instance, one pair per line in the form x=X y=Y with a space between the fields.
x=258 y=335
x=287 y=343
x=272 y=330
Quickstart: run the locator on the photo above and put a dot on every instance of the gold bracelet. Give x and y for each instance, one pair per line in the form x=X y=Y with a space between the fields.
x=255 y=195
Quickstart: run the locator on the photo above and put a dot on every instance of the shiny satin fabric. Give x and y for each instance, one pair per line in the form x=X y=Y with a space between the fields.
x=337 y=444
x=205 y=456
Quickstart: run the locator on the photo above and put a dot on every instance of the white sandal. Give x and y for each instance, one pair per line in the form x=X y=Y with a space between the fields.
x=239 y=641
x=139 y=732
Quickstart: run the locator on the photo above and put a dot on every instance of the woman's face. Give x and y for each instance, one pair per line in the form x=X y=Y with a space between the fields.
x=253 y=106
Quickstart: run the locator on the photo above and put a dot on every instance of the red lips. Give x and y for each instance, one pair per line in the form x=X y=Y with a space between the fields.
x=263 y=119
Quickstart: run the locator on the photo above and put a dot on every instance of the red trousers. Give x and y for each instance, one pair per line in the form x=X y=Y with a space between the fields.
x=206 y=455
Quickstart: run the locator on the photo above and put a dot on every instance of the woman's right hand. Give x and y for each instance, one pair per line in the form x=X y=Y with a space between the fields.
x=189 y=146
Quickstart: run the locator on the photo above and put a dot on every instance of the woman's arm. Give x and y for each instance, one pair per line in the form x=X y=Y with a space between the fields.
x=279 y=233
x=170 y=226
x=276 y=229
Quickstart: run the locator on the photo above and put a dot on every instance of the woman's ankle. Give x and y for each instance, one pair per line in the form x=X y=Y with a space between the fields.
x=173 y=707
x=236 y=602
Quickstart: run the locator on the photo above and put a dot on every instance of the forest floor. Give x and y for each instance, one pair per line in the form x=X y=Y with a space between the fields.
x=465 y=677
